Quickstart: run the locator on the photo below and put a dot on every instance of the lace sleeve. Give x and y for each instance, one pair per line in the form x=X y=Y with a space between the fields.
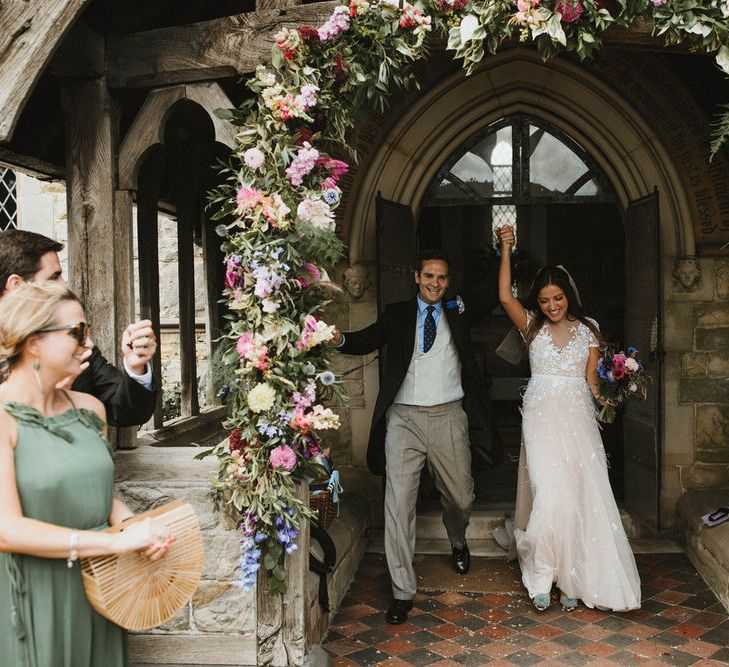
x=593 y=341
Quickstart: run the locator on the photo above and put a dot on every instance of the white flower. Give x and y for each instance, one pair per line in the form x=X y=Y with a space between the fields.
x=264 y=76
x=269 y=305
x=722 y=58
x=316 y=212
x=391 y=7
x=254 y=158
x=633 y=387
x=631 y=364
x=261 y=397
x=468 y=27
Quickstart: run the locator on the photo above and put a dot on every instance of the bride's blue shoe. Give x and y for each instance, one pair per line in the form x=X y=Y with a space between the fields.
x=568 y=604
x=541 y=601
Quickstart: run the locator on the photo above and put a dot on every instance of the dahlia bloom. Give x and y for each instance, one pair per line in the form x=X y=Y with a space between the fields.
x=283 y=457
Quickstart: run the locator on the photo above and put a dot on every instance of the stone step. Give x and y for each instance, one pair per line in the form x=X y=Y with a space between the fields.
x=483 y=521
x=490 y=549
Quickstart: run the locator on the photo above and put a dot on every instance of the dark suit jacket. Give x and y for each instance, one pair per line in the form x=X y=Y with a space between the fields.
x=126 y=401
x=395 y=328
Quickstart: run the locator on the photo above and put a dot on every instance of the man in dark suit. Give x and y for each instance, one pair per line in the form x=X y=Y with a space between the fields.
x=431 y=408
x=129 y=396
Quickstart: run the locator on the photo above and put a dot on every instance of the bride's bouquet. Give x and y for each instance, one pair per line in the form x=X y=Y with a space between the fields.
x=622 y=376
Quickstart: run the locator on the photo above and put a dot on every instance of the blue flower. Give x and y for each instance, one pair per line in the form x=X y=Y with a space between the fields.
x=331 y=196
x=456 y=303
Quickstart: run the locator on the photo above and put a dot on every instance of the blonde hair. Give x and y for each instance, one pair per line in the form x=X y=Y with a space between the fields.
x=23 y=311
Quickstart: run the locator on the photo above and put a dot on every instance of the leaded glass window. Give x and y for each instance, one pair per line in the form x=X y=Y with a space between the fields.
x=8 y=200
x=516 y=161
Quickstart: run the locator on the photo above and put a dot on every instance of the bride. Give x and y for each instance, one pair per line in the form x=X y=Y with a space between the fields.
x=568 y=528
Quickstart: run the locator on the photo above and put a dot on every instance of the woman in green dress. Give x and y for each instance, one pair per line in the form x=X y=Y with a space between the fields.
x=56 y=480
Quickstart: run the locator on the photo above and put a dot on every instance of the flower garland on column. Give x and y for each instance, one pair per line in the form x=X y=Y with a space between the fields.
x=277 y=213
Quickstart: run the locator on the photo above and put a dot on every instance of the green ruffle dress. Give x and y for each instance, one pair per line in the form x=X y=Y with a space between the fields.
x=65 y=474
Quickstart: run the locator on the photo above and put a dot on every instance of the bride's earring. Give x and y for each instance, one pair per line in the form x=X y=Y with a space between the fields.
x=36 y=371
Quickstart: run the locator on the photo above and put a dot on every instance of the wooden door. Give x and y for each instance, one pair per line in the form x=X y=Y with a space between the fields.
x=396 y=252
x=643 y=329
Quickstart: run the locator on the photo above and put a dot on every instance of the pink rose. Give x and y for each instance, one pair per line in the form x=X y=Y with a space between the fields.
x=283 y=457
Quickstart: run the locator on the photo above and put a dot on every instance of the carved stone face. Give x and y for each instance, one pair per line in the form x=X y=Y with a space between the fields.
x=687 y=272
x=355 y=281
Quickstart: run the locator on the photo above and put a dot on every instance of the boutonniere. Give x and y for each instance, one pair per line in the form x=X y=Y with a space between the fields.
x=456 y=304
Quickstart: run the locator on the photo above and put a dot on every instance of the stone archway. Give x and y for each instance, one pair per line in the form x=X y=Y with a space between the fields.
x=562 y=93
x=608 y=126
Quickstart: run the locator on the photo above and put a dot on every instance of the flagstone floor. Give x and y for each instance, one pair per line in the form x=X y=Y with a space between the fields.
x=680 y=623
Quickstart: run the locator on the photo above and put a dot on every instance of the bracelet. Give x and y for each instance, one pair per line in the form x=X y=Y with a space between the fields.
x=73 y=551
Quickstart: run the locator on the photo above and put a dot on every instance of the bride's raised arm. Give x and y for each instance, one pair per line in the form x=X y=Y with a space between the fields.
x=509 y=302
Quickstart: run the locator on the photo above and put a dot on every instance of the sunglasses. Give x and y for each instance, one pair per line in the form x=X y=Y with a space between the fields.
x=80 y=331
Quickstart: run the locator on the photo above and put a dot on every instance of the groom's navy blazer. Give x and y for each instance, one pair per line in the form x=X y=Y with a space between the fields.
x=395 y=329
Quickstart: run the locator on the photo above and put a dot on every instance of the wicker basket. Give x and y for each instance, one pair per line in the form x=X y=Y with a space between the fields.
x=137 y=593
x=322 y=504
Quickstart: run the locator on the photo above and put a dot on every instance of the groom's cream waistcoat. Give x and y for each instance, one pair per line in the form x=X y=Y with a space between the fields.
x=433 y=377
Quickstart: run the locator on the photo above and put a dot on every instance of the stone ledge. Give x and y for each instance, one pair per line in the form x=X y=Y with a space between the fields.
x=210 y=649
x=707 y=548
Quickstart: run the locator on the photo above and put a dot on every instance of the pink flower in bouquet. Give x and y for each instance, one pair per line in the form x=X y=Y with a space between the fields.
x=302 y=164
x=248 y=348
x=618 y=373
x=247 y=199
x=335 y=25
x=571 y=11
x=233 y=276
x=307 y=97
x=314 y=275
x=283 y=457
x=658 y=3
x=301 y=421
x=310 y=447
x=305 y=399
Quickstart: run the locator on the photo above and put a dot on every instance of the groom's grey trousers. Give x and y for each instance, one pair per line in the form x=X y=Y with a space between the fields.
x=436 y=435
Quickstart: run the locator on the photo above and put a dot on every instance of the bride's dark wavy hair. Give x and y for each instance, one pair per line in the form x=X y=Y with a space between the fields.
x=554 y=275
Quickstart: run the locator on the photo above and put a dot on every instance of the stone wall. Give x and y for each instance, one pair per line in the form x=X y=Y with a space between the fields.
x=700 y=319
x=218 y=626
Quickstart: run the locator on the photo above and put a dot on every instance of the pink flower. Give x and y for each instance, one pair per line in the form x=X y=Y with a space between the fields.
x=571 y=10
x=246 y=344
x=307 y=98
x=658 y=3
x=233 y=277
x=313 y=277
x=283 y=457
x=302 y=164
x=302 y=401
x=336 y=24
x=254 y=158
x=247 y=199
x=301 y=421
x=618 y=373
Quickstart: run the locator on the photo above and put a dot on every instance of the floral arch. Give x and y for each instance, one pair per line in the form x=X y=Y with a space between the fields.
x=277 y=216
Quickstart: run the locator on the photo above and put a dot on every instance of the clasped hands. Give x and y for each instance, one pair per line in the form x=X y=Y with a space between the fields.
x=506 y=237
x=150 y=538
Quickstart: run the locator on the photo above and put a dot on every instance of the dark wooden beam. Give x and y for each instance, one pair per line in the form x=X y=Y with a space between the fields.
x=33 y=166
x=237 y=44
x=30 y=32
x=208 y=50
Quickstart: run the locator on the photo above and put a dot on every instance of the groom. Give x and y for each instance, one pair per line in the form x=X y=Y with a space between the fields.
x=430 y=404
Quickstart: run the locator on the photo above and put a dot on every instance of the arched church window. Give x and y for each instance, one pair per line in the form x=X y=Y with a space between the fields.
x=8 y=200
x=517 y=161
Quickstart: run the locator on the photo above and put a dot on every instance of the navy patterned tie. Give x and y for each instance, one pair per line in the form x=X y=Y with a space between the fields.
x=429 y=329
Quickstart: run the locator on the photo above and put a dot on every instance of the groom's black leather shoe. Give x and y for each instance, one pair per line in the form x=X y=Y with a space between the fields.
x=398 y=611
x=461 y=558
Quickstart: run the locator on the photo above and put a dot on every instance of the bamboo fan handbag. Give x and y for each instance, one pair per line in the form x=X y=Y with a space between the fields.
x=137 y=593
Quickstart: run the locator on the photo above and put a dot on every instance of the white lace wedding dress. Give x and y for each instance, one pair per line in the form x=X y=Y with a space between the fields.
x=568 y=527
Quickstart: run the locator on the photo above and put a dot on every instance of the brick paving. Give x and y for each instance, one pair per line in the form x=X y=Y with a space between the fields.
x=680 y=623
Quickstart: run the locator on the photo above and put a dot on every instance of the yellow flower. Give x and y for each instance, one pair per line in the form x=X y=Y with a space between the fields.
x=261 y=397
